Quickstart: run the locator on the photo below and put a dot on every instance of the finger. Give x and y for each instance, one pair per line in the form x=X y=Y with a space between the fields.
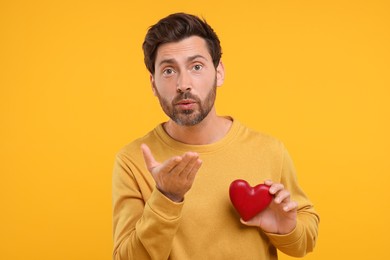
x=151 y=163
x=181 y=168
x=268 y=182
x=282 y=196
x=192 y=162
x=170 y=164
x=275 y=188
x=148 y=157
x=290 y=206
x=249 y=222
x=191 y=175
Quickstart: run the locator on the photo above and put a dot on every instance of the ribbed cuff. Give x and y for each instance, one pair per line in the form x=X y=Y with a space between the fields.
x=163 y=206
x=287 y=239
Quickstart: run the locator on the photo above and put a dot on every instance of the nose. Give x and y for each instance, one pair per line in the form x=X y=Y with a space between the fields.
x=183 y=83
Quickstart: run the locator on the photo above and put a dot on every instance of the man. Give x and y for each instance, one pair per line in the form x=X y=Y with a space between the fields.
x=171 y=187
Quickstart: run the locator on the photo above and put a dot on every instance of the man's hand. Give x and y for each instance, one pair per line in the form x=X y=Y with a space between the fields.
x=281 y=215
x=175 y=176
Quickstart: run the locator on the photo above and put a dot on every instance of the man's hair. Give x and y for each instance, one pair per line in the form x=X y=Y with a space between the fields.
x=175 y=28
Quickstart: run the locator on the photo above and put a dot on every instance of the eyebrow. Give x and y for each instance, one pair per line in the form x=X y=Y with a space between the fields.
x=189 y=59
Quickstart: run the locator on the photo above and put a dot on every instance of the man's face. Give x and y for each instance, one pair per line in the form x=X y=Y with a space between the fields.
x=185 y=80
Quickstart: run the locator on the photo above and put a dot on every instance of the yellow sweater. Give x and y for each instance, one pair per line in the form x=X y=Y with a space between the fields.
x=205 y=225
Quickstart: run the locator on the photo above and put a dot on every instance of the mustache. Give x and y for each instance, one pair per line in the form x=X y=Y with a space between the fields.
x=185 y=95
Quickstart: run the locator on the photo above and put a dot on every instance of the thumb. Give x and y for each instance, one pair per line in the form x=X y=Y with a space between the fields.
x=250 y=222
x=148 y=157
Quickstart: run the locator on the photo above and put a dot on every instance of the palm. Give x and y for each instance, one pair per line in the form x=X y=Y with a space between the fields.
x=175 y=176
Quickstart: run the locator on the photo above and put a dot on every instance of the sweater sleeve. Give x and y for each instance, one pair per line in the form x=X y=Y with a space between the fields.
x=142 y=230
x=303 y=238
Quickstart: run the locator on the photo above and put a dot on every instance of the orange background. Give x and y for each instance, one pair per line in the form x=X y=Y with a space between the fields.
x=74 y=90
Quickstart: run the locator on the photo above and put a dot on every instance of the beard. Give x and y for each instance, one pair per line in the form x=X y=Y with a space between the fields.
x=188 y=117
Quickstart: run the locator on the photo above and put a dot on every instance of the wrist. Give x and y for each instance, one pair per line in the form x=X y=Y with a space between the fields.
x=173 y=197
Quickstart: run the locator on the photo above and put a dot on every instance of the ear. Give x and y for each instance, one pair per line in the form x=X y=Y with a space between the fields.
x=220 y=74
x=153 y=85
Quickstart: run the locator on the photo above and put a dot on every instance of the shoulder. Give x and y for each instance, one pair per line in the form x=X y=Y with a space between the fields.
x=260 y=139
x=133 y=149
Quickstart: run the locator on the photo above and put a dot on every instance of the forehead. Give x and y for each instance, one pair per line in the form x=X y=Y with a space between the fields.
x=188 y=47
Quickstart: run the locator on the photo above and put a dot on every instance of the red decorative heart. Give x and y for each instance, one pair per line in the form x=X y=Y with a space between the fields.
x=247 y=200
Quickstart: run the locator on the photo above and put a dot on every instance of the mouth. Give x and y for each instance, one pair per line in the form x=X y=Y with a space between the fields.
x=186 y=104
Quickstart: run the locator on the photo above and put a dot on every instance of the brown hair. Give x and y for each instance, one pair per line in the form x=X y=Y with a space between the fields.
x=174 y=28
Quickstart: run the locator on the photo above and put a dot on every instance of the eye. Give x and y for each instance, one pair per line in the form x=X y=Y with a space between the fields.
x=168 y=71
x=197 y=67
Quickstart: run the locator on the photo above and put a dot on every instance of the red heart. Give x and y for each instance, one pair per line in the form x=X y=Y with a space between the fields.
x=247 y=200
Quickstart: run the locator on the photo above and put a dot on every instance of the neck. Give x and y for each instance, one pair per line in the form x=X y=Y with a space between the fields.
x=211 y=129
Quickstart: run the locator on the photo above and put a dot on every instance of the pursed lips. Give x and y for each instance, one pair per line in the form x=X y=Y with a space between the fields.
x=186 y=103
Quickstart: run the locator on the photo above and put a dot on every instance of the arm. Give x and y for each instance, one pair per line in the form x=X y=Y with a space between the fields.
x=142 y=230
x=145 y=230
x=290 y=221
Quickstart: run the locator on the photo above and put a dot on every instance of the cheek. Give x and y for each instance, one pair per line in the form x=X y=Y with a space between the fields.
x=204 y=85
x=164 y=90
